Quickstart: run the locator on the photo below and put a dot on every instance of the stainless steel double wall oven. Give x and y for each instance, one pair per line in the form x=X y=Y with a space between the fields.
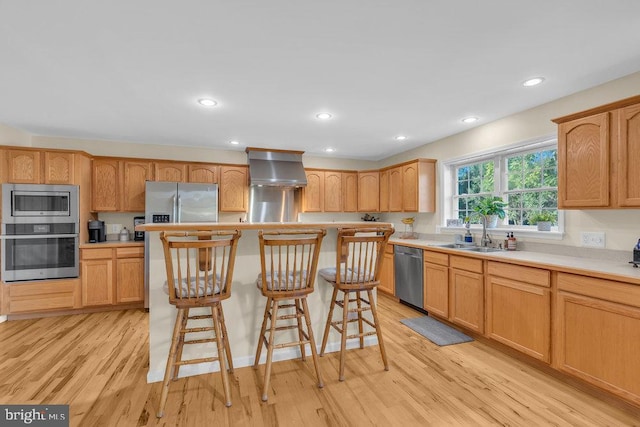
x=39 y=232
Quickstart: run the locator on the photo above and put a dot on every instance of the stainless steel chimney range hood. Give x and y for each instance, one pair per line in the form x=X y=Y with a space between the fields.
x=276 y=168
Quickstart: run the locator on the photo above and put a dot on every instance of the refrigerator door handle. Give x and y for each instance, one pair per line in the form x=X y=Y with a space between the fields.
x=179 y=209
x=175 y=209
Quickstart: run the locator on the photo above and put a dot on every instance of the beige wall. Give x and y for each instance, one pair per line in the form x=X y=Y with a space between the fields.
x=621 y=226
x=12 y=136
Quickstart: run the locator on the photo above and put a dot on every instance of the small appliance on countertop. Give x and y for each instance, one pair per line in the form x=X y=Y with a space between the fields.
x=97 y=232
x=124 y=235
x=138 y=235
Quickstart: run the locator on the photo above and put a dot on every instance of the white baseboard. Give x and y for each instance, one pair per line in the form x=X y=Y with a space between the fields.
x=3 y=319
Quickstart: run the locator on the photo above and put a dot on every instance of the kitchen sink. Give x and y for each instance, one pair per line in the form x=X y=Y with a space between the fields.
x=483 y=249
x=467 y=247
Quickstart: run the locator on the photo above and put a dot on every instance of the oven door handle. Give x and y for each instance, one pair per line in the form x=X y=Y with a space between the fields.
x=38 y=236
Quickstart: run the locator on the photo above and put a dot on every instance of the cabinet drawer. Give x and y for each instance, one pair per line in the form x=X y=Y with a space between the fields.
x=535 y=276
x=132 y=252
x=436 y=258
x=464 y=263
x=101 y=253
x=48 y=295
x=607 y=290
x=42 y=288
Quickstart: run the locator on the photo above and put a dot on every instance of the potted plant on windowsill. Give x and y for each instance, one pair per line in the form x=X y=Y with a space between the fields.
x=490 y=209
x=543 y=219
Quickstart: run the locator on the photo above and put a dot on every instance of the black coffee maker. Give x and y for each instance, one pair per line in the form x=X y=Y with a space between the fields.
x=97 y=232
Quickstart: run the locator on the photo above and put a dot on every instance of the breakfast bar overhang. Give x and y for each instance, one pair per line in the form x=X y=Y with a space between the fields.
x=244 y=309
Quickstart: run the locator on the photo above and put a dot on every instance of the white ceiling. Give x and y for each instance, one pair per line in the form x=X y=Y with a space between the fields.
x=133 y=70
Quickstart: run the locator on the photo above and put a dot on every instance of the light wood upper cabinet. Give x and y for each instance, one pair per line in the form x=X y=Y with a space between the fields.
x=203 y=173
x=349 y=191
x=369 y=191
x=106 y=185
x=23 y=166
x=419 y=186
x=313 y=193
x=170 y=171
x=395 y=189
x=583 y=162
x=384 y=190
x=233 y=188
x=628 y=166
x=58 y=167
x=332 y=191
x=519 y=308
x=136 y=175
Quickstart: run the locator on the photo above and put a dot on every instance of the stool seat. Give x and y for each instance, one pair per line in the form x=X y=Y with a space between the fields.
x=199 y=268
x=359 y=256
x=288 y=267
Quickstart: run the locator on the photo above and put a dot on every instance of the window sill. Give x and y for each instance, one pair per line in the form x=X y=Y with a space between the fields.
x=501 y=231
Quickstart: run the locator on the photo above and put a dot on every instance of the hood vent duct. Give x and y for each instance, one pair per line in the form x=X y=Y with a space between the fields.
x=276 y=168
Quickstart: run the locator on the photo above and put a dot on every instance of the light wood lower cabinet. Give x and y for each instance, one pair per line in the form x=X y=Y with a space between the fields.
x=41 y=296
x=436 y=283
x=466 y=292
x=519 y=308
x=112 y=275
x=597 y=333
x=387 y=275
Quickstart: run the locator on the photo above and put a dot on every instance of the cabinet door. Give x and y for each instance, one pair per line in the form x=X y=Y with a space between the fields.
x=105 y=186
x=396 y=189
x=313 y=193
x=233 y=189
x=130 y=280
x=410 y=187
x=583 y=162
x=23 y=166
x=58 y=167
x=628 y=170
x=384 y=190
x=519 y=315
x=436 y=289
x=170 y=171
x=368 y=191
x=387 y=276
x=332 y=191
x=599 y=342
x=204 y=173
x=350 y=191
x=467 y=299
x=43 y=295
x=97 y=282
x=136 y=175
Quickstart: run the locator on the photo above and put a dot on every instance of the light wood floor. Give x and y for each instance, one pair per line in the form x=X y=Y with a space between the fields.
x=97 y=363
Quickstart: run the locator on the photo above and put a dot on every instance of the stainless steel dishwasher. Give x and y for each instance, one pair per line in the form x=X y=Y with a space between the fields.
x=408 y=268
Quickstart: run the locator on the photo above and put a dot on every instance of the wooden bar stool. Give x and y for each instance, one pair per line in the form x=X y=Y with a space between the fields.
x=199 y=274
x=288 y=261
x=360 y=253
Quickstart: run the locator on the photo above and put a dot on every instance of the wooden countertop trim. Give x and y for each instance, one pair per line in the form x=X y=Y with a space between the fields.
x=258 y=226
x=112 y=244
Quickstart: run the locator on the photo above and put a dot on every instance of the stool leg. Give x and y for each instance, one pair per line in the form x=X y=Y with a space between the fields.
x=272 y=332
x=376 y=322
x=360 y=326
x=312 y=341
x=343 y=337
x=299 y=314
x=185 y=320
x=329 y=318
x=221 y=356
x=267 y=309
x=227 y=348
x=170 y=362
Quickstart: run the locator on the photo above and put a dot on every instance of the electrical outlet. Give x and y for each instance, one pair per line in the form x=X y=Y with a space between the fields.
x=114 y=228
x=593 y=239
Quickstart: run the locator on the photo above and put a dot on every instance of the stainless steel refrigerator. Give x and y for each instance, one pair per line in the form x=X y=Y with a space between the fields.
x=167 y=202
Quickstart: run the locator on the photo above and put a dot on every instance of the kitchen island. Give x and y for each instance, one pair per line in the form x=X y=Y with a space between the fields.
x=244 y=310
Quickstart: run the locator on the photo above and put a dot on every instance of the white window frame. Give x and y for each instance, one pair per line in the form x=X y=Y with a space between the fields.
x=498 y=155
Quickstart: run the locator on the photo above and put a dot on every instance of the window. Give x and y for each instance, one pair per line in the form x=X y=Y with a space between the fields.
x=525 y=176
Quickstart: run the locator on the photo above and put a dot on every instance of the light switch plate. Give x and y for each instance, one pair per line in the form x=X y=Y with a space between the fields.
x=593 y=239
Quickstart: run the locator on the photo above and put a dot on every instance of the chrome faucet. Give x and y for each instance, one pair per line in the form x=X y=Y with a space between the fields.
x=486 y=239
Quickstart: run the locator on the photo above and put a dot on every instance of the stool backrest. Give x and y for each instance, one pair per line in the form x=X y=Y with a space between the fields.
x=199 y=265
x=360 y=252
x=289 y=260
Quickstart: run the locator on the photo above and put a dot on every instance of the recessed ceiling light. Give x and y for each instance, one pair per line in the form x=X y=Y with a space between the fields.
x=329 y=150
x=323 y=116
x=470 y=119
x=234 y=142
x=206 y=102
x=533 y=81
x=400 y=138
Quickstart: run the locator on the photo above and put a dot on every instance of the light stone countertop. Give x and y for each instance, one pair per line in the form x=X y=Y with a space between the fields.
x=593 y=267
